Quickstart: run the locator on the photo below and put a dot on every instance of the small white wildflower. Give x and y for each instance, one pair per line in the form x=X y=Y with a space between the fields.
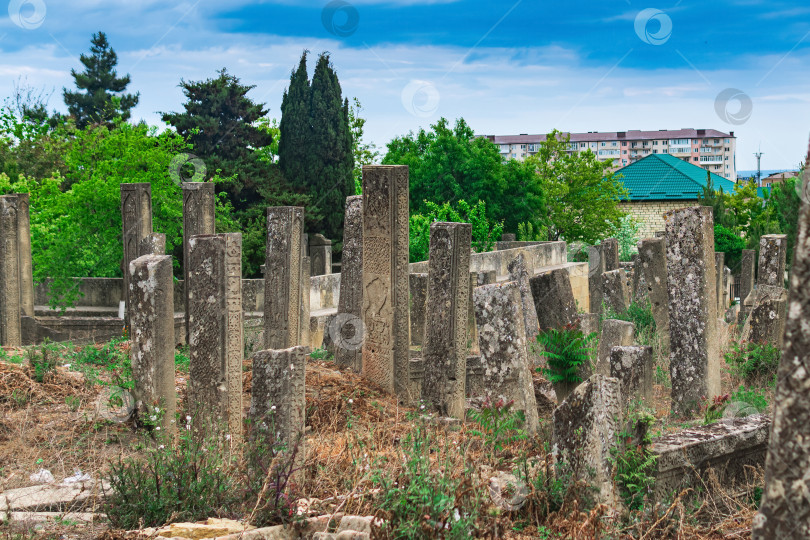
x=292 y=367
x=456 y=515
x=422 y=407
x=351 y=401
x=188 y=419
x=228 y=437
x=157 y=428
x=157 y=409
x=273 y=408
x=153 y=418
x=161 y=447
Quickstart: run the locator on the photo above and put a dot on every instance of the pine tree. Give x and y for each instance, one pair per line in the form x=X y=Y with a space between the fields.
x=99 y=98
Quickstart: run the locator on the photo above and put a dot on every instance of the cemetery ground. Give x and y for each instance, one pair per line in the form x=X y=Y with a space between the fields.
x=365 y=455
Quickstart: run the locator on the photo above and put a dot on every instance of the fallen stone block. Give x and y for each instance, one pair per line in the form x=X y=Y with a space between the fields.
x=50 y=497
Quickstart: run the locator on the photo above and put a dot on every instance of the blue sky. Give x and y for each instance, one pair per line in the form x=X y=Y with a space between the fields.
x=507 y=67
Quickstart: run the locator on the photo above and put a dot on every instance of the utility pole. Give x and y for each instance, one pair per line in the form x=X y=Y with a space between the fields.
x=759 y=170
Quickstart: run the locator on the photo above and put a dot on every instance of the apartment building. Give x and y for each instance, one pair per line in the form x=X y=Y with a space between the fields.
x=710 y=149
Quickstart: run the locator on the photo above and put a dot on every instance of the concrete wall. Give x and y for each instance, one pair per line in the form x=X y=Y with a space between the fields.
x=537 y=256
x=650 y=214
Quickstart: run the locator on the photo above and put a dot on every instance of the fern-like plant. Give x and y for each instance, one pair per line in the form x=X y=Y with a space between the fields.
x=567 y=349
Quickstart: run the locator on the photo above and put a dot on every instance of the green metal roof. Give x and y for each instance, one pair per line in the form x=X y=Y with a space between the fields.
x=660 y=177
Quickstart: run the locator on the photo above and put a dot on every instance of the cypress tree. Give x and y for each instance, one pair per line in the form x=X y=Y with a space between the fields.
x=294 y=128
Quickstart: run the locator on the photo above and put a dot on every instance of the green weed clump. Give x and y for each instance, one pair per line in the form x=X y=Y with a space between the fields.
x=754 y=362
x=568 y=350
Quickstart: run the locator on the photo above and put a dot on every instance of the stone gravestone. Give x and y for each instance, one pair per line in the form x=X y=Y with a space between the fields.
x=151 y=301
x=553 y=299
x=772 y=259
x=282 y=277
x=615 y=333
x=385 y=278
x=278 y=400
x=585 y=427
x=418 y=286
x=24 y=254
x=610 y=253
x=136 y=216
x=504 y=351
x=784 y=511
x=596 y=267
x=694 y=352
x=747 y=276
x=520 y=275
x=633 y=367
x=320 y=254
x=10 y=309
x=614 y=285
x=347 y=333
x=766 y=320
x=306 y=288
x=152 y=244
x=445 y=350
x=719 y=269
x=215 y=324
x=198 y=218
x=652 y=269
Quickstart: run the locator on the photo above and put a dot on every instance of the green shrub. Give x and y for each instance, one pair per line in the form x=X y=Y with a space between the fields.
x=552 y=486
x=627 y=233
x=182 y=360
x=753 y=362
x=428 y=498
x=498 y=425
x=189 y=480
x=634 y=462
x=567 y=350
x=109 y=359
x=529 y=233
x=484 y=232
x=43 y=359
x=640 y=314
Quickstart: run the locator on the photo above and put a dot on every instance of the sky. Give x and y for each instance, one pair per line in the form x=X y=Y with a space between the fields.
x=517 y=66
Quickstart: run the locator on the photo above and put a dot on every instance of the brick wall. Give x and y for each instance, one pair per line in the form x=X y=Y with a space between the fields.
x=650 y=214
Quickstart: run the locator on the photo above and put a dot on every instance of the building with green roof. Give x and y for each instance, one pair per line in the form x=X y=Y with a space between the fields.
x=661 y=182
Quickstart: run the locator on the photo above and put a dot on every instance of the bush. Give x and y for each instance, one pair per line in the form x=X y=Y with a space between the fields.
x=189 y=480
x=109 y=358
x=428 y=499
x=753 y=362
x=640 y=314
x=627 y=233
x=566 y=349
x=484 y=232
x=43 y=360
x=633 y=459
x=499 y=425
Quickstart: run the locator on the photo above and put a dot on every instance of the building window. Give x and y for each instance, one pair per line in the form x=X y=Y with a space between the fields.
x=694 y=159
x=728 y=141
x=523 y=147
x=665 y=151
x=728 y=150
x=624 y=143
x=624 y=152
x=624 y=161
x=514 y=156
x=613 y=143
x=655 y=150
x=603 y=144
x=678 y=142
x=582 y=145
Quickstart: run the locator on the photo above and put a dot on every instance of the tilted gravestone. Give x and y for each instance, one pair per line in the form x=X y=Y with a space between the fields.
x=633 y=367
x=24 y=254
x=445 y=350
x=10 y=309
x=652 y=269
x=320 y=254
x=519 y=273
x=694 y=353
x=615 y=333
x=418 y=286
x=596 y=267
x=198 y=218
x=347 y=332
x=784 y=511
x=215 y=326
x=282 y=277
x=385 y=279
x=610 y=253
x=152 y=244
x=151 y=315
x=614 y=284
x=553 y=299
x=719 y=269
x=504 y=352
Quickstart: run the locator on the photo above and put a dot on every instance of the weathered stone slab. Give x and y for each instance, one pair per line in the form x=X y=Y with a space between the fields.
x=719 y=274
x=152 y=244
x=136 y=217
x=348 y=346
x=445 y=350
x=615 y=333
x=418 y=285
x=55 y=497
x=519 y=273
x=216 y=328
x=651 y=266
x=385 y=278
x=633 y=367
x=151 y=301
x=694 y=352
x=585 y=426
x=198 y=219
x=596 y=267
x=785 y=512
x=24 y=254
x=747 y=274
x=766 y=321
x=278 y=397
x=304 y=322
x=610 y=253
x=728 y=446
x=589 y=323
x=487 y=277
x=10 y=308
x=282 y=277
x=320 y=255
x=615 y=290
x=772 y=259
x=553 y=299
x=504 y=352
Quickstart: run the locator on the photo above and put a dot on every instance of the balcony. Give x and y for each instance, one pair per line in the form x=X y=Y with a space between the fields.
x=710 y=159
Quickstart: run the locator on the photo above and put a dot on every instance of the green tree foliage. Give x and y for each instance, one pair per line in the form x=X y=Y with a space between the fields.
x=582 y=195
x=450 y=163
x=316 y=147
x=100 y=97
x=730 y=243
x=364 y=153
x=231 y=134
x=785 y=201
x=484 y=232
x=77 y=231
x=627 y=233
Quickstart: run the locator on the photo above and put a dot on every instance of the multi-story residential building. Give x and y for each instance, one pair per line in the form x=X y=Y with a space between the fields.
x=710 y=149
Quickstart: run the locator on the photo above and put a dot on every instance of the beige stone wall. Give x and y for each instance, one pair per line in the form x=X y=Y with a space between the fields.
x=650 y=214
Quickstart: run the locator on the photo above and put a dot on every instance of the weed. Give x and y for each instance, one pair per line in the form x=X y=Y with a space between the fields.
x=182 y=360
x=753 y=362
x=43 y=360
x=640 y=314
x=499 y=425
x=566 y=349
x=73 y=402
x=321 y=354
x=662 y=376
x=19 y=398
x=633 y=461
